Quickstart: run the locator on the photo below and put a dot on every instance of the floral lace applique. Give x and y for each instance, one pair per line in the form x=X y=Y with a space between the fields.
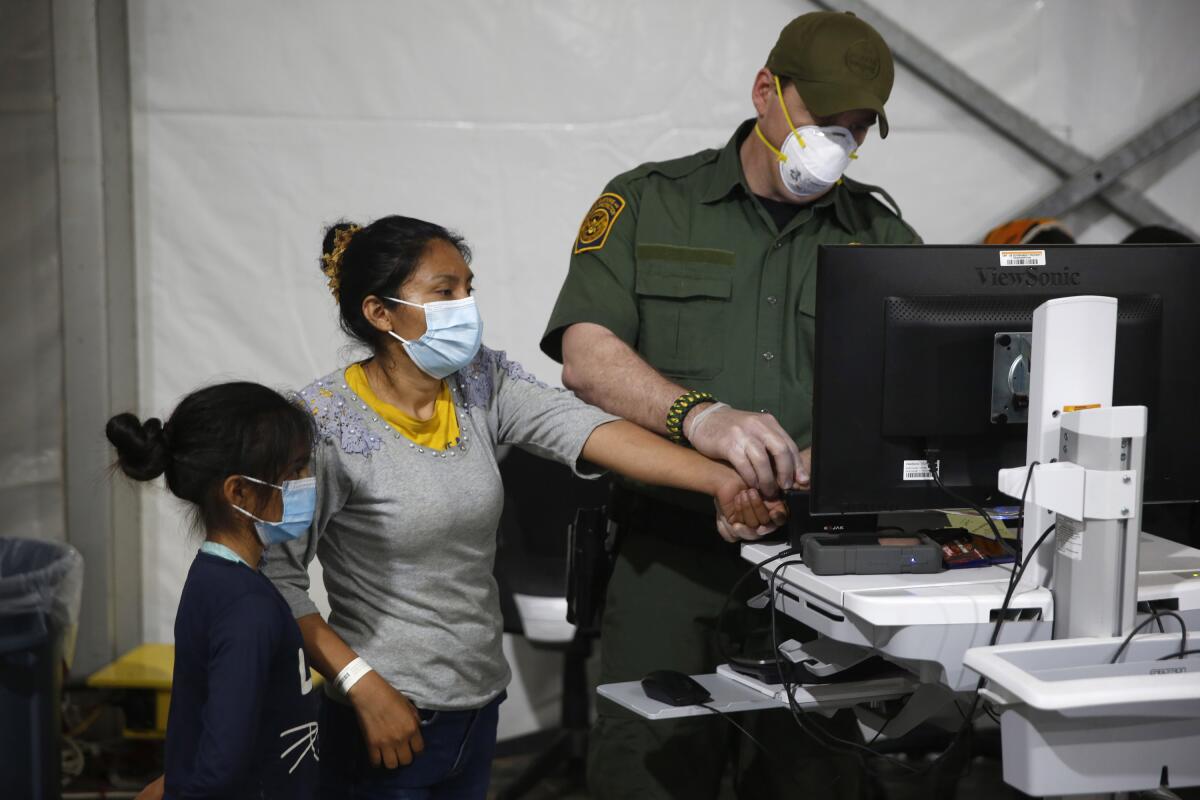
x=337 y=418
x=475 y=383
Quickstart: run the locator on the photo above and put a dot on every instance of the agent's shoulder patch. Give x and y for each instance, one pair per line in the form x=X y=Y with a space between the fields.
x=593 y=233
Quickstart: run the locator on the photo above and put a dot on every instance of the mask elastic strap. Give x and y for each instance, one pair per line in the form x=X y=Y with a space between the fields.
x=393 y=334
x=251 y=516
x=405 y=302
x=786 y=115
x=261 y=483
x=771 y=147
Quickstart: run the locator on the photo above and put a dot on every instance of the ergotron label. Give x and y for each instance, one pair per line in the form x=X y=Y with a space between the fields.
x=1022 y=258
x=918 y=470
x=1068 y=537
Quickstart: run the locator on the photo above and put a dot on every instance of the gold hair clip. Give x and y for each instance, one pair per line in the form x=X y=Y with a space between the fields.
x=332 y=262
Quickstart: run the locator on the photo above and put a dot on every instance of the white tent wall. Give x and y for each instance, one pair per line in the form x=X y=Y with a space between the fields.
x=31 y=440
x=256 y=123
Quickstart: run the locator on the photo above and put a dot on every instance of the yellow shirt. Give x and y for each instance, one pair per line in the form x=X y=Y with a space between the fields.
x=439 y=432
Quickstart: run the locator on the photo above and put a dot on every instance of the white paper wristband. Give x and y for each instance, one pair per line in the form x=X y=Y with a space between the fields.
x=350 y=675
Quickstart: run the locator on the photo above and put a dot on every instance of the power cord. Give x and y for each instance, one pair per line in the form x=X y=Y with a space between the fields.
x=726 y=656
x=775 y=760
x=843 y=745
x=824 y=738
x=816 y=734
x=932 y=464
x=1184 y=654
x=1183 y=639
x=1014 y=581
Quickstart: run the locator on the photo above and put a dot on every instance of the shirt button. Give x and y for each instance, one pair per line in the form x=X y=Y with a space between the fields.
x=778 y=245
x=767 y=356
x=772 y=299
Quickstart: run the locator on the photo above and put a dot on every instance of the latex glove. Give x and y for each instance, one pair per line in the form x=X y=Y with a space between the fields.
x=804 y=472
x=390 y=723
x=755 y=445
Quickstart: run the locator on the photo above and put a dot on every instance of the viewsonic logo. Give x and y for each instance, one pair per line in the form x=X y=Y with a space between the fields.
x=1030 y=277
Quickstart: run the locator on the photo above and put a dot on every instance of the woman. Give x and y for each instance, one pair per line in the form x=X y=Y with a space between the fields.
x=242 y=722
x=410 y=497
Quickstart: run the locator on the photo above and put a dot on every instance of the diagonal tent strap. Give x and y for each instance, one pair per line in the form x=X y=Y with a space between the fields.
x=1096 y=177
x=1005 y=119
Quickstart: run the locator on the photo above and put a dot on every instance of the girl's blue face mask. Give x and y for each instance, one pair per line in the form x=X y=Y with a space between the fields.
x=299 y=506
x=453 y=333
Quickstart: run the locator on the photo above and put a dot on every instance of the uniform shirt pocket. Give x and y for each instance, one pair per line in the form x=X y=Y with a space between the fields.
x=683 y=295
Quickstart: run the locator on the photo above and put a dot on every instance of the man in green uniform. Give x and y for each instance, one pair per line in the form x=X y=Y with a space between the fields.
x=689 y=308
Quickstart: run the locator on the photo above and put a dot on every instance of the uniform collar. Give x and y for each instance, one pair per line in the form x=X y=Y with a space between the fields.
x=728 y=176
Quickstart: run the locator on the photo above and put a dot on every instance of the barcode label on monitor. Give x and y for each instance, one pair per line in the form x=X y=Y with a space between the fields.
x=1022 y=258
x=918 y=470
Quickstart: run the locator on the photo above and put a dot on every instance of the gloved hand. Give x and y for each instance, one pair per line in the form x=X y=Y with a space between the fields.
x=755 y=445
x=805 y=483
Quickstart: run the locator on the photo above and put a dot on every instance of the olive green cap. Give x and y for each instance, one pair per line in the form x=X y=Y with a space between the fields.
x=837 y=63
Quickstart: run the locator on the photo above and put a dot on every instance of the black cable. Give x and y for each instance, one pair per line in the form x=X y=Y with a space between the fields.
x=1178 y=655
x=890 y=719
x=770 y=756
x=1153 y=616
x=978 y=509
x=1146 y=608
x=819 y=736
x=824 y=737
x=1024 y=493
x=1015 y=580
x=720 y=625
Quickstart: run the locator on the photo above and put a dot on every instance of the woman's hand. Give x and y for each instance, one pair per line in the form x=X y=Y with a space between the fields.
x=389 y=722
x=742 y=513
x=154 y=790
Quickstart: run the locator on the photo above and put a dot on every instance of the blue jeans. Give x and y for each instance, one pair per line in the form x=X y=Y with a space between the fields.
x=456 y=763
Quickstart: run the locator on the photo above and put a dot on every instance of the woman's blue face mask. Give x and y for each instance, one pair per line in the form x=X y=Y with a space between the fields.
x=299 y=506
x=453 y=333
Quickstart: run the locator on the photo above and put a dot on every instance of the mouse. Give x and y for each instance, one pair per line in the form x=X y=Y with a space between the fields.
x=674 y=688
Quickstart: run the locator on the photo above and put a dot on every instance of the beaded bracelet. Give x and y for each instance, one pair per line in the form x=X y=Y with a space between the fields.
x=680 y=408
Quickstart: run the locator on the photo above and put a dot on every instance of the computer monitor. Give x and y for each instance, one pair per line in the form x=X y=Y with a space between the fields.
x=909 y=339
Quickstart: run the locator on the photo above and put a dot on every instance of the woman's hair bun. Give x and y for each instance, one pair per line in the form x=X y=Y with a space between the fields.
x=141 y=446
x=329 y=242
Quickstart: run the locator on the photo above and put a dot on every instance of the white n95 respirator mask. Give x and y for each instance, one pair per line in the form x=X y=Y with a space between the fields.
x=812 y=158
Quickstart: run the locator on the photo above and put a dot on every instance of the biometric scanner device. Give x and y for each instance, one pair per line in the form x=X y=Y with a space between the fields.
x=1070 y=723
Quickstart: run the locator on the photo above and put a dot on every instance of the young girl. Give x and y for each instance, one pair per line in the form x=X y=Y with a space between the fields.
x=410 y=501
x=242 y=721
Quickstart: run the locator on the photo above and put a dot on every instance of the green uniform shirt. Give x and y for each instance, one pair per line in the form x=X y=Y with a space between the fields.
x=681 y=262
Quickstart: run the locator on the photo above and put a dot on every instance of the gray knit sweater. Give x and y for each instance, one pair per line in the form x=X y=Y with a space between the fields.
x=407 y=535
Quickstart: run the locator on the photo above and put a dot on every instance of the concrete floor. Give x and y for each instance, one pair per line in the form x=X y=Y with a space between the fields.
x=983 y=781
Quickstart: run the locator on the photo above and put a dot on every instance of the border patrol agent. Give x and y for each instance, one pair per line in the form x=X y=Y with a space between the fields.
x=689 y=308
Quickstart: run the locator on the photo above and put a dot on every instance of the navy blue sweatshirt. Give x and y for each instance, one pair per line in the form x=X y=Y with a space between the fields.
x=243 y=713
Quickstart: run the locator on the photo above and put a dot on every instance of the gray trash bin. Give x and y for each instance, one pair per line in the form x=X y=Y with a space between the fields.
x=40 y=588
